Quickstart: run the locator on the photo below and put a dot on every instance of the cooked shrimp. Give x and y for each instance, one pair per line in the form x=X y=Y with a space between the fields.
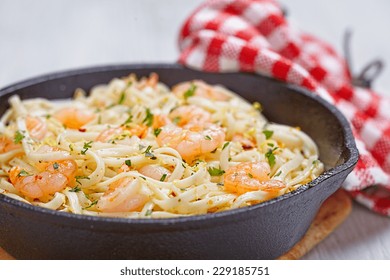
x=201 y=89
x=151 y=81
x=191 y=117
x=160 y=120
x=245 y=142
x=6 y=144
x=122 y=196
x=252 y=176
x=191 y=144
x=36 y=127
x=52 y=177
x=73 y=117
x=156 y=172
x=121 y=132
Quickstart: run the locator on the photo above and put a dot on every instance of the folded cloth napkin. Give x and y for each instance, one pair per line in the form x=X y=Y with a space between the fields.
x=254 y=36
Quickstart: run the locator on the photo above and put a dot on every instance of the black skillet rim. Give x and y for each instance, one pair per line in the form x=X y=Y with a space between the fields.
x=349 y=144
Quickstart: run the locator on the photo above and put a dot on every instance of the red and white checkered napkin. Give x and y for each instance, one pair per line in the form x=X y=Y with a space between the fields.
x=254 y=36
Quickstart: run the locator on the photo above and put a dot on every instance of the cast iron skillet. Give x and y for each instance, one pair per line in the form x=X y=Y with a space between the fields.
x=263 y=231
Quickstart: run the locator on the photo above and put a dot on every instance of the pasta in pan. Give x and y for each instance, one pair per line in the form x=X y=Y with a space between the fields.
x=138 y=149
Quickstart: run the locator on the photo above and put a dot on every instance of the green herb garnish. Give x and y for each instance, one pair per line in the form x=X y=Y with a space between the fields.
x=128 y=120
x=24 y=173
x=56 y=165
x=213 y=171
x=268 y=134
x=122 y=98
x=225 y=145
x=86 y=146
x=207 y=137
x=148 y=153
x=75 y=189
x=81 y=177
x=270 y=156
x=277 y=174
x=250 y=175
x=176 y=120
x=157 y=131
x=149 y=117
x=18 y=137
x=92 y=204
x=148 y=212
x=128 y=162
x=190 y=92
x=163 y=177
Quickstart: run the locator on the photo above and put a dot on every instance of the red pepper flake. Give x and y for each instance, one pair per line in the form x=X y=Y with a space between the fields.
x=82 y=129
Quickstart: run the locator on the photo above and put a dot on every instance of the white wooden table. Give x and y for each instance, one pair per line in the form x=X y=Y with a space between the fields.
x=42 y=36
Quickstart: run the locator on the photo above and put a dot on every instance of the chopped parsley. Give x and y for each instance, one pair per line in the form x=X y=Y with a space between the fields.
x=56 y=165
x=213 y=171
x=270 y=156
x=86 y=146
x=24 y=173
x=149 y=117
x=157 y=131
x=277 y=174
x=148 y=212
x=71 y=147
x=250 y=175
x=92 y=204
x=207 y=137
x=225 y=145
x=315 y=162
x=75 y=189
x=268 y=134
x=122 y=98
x=163 y=177
x=18 y=137
x=190 y=92
x=148 y=153
x=128 y=120
x=176 y=120
x=81 y=177
x=128 y=162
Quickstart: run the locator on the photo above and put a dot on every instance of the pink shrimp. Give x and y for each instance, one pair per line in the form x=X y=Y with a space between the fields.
x=191 y=117
x=52 y=177
x=122 y=196
x=200 y=88
x=151 y=81
x=193 y=135
x=156 y=172
x=191 y=144
x=6 y=144
x=245 y=142
x=73 y=117
x=252 y=176
x=36 y=127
